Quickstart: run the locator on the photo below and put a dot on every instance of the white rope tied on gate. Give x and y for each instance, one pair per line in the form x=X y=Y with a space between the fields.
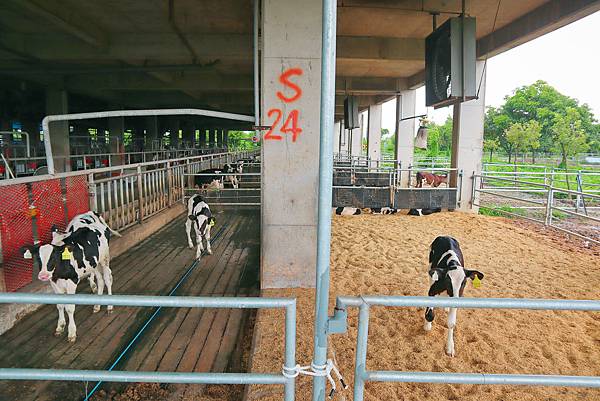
x=316 y=371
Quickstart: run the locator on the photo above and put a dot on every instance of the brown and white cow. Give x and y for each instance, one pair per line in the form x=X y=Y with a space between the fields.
x=433 y=180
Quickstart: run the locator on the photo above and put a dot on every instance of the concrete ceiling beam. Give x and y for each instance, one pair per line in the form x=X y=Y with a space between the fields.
x=548 y=17
x=65 y=18
x=372 y=48
x=132 y=46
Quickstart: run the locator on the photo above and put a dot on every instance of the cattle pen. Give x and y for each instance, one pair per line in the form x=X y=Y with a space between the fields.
x=245 y=122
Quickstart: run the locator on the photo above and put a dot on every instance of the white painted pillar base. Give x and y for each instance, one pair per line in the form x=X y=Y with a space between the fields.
x=467 y=143
x=405 y=132
x=374 y=135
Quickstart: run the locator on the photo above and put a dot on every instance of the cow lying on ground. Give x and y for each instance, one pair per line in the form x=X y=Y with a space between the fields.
x=200 y=216
x=383 y=210
x=72 y=256
x=423 y=212
x=433 y=180
x=447 y=274
x=347 y=211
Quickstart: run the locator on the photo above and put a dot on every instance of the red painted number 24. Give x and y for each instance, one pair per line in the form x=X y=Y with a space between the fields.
x=290 y=125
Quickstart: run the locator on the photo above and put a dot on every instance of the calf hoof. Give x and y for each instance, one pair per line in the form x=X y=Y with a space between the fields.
x=450 y=352
x=58 y=333
x=427 y=326
x=209 y=251
x=191 y=246
x=96 y=309
x=109 y=310
x=71 y=339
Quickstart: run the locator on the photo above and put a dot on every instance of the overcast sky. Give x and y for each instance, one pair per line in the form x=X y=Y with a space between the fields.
x=568 y=59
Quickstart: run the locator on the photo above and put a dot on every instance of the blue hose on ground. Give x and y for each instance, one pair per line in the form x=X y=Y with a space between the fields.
x=150 y=319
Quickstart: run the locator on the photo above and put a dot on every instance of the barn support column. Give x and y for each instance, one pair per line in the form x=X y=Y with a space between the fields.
x=291 y=32
x=406 y=106
x=202 y=138
x=467 y=143
x=152 y=137
x=356 y=137
x=116 y=127
x=336 y=136
x=226 y=139
x=33 y=129
x=57 y=102
x=374 y=135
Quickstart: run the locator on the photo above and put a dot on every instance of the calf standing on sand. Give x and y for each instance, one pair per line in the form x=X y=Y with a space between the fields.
x=447 y=274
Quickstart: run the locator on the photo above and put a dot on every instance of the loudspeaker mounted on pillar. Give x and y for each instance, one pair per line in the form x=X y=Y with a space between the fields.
x=421 y=138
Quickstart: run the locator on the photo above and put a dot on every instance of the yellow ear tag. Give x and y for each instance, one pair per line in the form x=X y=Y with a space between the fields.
x=212 y=223
x=476 y=282
x=66 y=255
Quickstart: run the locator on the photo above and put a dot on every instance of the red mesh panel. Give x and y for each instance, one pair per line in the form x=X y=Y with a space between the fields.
x=16 y=231
x=78 y=197
x=48 y=199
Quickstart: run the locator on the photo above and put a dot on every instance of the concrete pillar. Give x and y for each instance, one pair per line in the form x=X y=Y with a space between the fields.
x=116 y=127
x=374 y=134
x=33 y=129
x=151 y=132
x=57 y=103
x=291 y=45
x=226 y=139
x=202 y=138
x=406 y=106
x=356 y=137
x=467 y=143
x=336 y=137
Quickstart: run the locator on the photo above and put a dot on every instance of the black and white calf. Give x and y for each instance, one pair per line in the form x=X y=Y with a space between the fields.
x=383 y=210
x=71 y=257
x=423 y=212
x=230 y=170
x=212 y=181
x=347 y=211
x=447 y=275
x=200 y=216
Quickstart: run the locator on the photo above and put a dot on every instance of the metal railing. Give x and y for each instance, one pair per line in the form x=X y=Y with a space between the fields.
x=288 y=304
x=248 y=192
x=545 y=200
x=338 y=324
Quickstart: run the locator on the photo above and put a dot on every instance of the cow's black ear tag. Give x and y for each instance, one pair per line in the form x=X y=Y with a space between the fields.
x=66 y=254
x=476 y=282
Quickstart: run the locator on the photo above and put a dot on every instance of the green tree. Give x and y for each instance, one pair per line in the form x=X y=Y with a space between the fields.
x=491 y=145
x=523 y=136
x=569 y=137
x=241 y=140
x=439 y=138
x=542 y=103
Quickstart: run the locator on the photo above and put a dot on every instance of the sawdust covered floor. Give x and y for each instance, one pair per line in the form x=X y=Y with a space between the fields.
x=387 y=255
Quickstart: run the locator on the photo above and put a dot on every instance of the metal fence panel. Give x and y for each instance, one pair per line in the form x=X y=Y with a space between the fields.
x=361 y=197
x=16 y=230
x=425 y=198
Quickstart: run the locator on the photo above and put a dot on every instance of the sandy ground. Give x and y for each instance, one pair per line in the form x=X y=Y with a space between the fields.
x=374 y=254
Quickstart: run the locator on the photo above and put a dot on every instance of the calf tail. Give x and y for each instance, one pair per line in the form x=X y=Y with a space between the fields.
x=114 y=232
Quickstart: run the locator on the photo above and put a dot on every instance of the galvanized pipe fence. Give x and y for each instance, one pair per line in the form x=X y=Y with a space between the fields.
x=548 y=199
x=288 y=304
x=338 y=324
x=124 y=196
